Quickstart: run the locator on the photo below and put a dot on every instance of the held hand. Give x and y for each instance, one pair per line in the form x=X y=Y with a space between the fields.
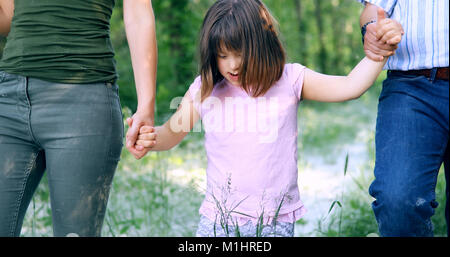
x=374 y=47
x=146 y=138
x=135 y=123
x=389 y=31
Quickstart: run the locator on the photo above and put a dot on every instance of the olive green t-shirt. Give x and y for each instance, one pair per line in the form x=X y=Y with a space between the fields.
x=65 y=41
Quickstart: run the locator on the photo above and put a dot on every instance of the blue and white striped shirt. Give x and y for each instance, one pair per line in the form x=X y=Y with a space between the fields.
x=426 y=40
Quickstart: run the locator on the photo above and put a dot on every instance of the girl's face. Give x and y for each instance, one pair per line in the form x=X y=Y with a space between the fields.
x=229 y=63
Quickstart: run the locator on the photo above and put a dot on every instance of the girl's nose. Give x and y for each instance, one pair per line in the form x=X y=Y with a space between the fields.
x=235 y=63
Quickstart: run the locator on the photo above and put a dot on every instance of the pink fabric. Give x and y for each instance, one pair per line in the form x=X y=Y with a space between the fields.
x=251 y=146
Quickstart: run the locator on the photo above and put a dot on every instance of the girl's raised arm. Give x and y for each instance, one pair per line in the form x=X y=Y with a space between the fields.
x=327 y=88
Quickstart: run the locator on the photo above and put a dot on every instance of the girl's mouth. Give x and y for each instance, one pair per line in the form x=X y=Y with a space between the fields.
x=234 y=76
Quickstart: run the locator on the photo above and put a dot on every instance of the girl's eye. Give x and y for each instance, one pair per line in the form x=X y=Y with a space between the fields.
x=222 y=56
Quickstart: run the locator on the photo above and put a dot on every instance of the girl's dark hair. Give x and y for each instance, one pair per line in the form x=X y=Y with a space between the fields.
x=247 y=27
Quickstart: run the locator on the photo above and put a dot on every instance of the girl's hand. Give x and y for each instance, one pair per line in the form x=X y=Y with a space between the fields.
x=146 y=138
x=138 y=120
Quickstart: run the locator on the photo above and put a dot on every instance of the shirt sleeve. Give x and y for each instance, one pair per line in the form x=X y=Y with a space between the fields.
x=387 y=5
x=296 y=74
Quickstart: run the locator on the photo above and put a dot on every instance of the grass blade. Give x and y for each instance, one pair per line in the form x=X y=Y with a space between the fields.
x=346 y=164
x=332 y=205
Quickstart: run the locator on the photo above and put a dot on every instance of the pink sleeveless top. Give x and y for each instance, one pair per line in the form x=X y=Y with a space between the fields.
x=251 y=147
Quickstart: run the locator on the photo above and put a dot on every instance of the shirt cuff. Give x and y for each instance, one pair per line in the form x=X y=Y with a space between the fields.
x=387 y=5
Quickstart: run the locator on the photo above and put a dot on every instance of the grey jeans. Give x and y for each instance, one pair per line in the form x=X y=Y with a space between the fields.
x=74 y=132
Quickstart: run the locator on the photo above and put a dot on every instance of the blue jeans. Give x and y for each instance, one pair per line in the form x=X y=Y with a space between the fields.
x=412 y=135
x=73 y=132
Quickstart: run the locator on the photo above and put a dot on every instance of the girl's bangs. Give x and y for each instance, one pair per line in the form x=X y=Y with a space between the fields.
x=226 y=36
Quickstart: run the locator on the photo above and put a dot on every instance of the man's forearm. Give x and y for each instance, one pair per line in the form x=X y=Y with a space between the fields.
x=368 y=14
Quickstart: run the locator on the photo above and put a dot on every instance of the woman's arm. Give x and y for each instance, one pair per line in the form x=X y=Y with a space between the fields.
x=327 y=88
x=165 y=137
x=6 y=14
x=139 y=23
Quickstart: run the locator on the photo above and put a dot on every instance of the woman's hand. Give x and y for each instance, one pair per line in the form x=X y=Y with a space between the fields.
x=135 y=123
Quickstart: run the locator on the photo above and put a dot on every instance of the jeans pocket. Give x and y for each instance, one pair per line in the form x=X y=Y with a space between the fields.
x=2 y=76
x=8 y=87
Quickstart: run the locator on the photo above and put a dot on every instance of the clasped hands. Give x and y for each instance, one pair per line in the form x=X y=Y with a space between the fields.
x=382 y=37
x=138 y=124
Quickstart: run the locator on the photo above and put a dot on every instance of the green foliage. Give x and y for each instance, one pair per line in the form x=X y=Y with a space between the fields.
x=440 y=227
x=356 y=218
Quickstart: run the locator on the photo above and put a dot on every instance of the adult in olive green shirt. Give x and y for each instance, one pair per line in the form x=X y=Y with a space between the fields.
x=60 y=110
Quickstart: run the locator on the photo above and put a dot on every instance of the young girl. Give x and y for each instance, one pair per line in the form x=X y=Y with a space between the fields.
x=247 y=98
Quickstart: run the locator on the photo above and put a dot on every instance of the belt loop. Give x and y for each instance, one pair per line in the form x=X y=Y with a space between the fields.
x=433 y=74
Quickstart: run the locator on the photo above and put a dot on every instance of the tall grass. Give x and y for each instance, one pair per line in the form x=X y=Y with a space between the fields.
x=160 y=195
x=355 y=217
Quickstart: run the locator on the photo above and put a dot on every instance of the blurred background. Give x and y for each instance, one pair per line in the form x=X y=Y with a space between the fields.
x=160 y=194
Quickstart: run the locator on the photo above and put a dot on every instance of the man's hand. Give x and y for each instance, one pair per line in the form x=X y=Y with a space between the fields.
x=135 y=123
x=382 y=37
x=389 y=31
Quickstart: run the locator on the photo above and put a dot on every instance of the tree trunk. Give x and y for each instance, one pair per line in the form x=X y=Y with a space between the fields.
x=322 y=51
x=176 y=17
x=302 y=32
x=338 y=33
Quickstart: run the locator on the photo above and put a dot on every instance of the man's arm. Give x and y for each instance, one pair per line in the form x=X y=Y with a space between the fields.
x=6 y=14
x=139 y=22
x=368 y=14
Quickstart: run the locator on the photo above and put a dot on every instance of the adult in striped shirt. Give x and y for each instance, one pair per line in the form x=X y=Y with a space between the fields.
x=412 y=131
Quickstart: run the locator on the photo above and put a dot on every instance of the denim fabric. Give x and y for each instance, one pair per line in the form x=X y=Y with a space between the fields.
x=412 y=135
x=75 y=133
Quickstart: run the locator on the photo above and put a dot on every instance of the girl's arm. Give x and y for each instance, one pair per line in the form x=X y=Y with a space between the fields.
x=170 y=134
x=327 y=88
x=139 y=23
x=6 y=14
